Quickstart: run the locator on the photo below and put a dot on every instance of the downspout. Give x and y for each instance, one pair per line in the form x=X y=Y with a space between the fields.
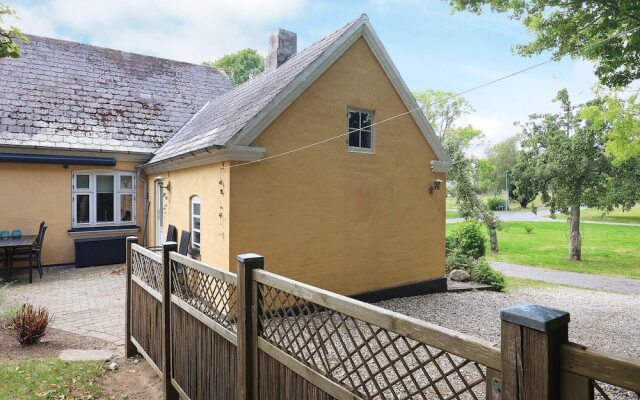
x=145 y=210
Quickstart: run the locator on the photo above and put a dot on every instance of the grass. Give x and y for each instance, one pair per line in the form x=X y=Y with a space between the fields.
x=50 y=379
x=513 y=284
x=452 y=205
x=606 y=249
x=617 y=215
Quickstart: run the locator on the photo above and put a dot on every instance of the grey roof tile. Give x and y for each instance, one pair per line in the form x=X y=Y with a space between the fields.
x=76 y=96
x=219 y=120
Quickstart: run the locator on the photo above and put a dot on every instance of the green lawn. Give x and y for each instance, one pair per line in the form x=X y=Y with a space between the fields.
x=631 y=216
x=606 y=249
x=49 y=379
x=513 y=284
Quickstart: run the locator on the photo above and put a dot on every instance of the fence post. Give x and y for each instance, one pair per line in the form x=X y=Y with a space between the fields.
x=247 y=327
x=129 y=348
x=531 y=336
x=169 y=391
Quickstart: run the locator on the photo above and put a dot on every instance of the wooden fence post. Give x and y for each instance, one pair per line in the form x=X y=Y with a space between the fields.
x=169 y=391
x=531 y=336
x=247 y=327
x=129 y=348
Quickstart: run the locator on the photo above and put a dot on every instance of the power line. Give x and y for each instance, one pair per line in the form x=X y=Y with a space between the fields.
x=446 y=99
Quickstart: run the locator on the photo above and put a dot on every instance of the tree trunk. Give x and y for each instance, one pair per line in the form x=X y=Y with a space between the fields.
x=575 y=240
x=493 y=239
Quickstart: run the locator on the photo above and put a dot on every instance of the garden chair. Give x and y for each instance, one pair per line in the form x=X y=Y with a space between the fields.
x=32 y=255
x=172 y=236
x=183 y=247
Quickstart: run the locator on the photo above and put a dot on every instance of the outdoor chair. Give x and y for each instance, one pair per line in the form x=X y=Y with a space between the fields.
x=172 y=236
x=32 y=255
x=183 y=247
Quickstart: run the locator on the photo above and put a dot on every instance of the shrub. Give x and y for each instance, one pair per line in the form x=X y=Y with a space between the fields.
x=468 y=239
x=30 y=325
x=484 y=273
x=496 y=203
x=457 y=260
x=528 y=228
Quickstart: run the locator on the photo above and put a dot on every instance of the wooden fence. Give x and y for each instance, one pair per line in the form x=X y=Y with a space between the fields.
x=211 y=334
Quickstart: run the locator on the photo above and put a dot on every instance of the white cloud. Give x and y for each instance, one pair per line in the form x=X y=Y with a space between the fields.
x=187 y=30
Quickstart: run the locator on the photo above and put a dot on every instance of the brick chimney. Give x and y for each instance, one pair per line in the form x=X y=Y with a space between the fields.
x=282 y=46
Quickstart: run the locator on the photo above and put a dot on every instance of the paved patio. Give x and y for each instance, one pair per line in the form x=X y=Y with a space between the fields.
x=84 y=301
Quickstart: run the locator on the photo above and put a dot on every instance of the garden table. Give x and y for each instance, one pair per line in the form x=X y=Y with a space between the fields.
x=9 y=245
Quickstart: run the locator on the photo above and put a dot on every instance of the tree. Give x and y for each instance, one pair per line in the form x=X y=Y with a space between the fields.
x=570 y=167
x=582 y=28
x=503 y=156
x=622 y=117
x=443 y=111
x=9 y=36
x=240 y=66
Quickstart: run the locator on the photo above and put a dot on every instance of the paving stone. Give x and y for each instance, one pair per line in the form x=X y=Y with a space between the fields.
x=85 y=355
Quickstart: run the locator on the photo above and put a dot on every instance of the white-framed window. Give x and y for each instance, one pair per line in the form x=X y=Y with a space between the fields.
x=103 y=198
x=360 y=124
x=195 y=221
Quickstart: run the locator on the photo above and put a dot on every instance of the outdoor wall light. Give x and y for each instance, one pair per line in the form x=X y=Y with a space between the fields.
x=161 y=179
x=435 y=186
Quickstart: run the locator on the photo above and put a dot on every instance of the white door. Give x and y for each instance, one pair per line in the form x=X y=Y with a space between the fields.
x=159 y=213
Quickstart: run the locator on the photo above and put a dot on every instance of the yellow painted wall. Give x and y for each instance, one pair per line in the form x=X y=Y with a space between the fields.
x=31 y=193
x=346 y=222
x=202 y=181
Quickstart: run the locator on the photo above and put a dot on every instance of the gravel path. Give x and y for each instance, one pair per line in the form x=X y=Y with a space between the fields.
x=591 y=281
x=604 y=321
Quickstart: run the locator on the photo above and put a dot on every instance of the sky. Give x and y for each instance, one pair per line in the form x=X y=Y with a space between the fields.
x=431 y=47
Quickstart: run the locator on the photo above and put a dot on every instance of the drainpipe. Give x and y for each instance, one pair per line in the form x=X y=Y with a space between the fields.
x=145 y=209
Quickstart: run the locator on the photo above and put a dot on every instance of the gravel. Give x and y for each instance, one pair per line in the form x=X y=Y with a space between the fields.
x=600 y=320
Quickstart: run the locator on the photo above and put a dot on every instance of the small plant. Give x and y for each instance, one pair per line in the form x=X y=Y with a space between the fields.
x=457 y=260
x=528 y=228
x=468 y=239
x=30 y=324
x=496 y=203
x=484 y=273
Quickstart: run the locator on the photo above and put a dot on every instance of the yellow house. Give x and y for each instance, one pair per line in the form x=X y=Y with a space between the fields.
x=323 y=164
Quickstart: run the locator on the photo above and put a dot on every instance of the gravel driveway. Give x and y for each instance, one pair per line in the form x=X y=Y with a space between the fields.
x=602 y=320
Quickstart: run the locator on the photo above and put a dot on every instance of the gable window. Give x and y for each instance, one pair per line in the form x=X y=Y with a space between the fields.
x=360 y=136
x=195 y=221
x=103 y=198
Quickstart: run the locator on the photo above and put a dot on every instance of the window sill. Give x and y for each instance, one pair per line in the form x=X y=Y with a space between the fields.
x=104 y=230
x=360 y=150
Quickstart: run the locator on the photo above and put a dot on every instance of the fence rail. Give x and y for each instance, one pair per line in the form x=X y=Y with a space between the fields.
x=212 y=334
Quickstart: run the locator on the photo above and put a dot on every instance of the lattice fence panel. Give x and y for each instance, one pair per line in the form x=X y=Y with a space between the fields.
x=368 y=360
x=147 y=269
x=605 y=391
x=213 y=297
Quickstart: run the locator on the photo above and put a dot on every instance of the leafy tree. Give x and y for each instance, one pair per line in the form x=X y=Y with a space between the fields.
x=484 y=172
x=622 y=117
x=240 y=66
x=503 y=156
x=443 y=111
x=570 y=167
x=9 y=36
x=581 y=28
x=523 y=179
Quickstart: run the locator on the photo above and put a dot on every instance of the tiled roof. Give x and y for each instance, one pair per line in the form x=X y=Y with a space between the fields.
x=217 y=122
x=74 y=96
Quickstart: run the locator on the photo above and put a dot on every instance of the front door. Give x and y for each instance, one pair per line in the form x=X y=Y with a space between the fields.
x=159 y=213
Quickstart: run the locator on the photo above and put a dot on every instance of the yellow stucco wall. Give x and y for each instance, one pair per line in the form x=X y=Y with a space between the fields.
x=31 y=193
x=202 y=181
x=347 y=222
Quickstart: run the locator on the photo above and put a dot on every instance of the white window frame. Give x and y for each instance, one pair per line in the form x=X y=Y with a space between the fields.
x=358 y=149
x=92 y=190
x=195 y=200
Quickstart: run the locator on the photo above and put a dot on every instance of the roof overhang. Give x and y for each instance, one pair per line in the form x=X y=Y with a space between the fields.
x=205 y=157
x=361 y=29
x=138 y=157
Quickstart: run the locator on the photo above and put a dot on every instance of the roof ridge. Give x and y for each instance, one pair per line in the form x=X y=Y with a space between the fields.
x=47 y=38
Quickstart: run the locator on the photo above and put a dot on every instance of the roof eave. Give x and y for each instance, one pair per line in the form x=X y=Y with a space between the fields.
x=206 y=156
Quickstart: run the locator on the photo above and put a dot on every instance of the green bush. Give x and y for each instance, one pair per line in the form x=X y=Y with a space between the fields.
x=496 y=203
x=467 y=238
x=484 y=273
x=457 y=260
x=528 y=228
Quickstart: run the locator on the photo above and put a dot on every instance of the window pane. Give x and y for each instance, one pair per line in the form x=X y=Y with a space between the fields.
x=104 y=198
x=365 y=139
x=354 y=120
x=126 y=182
x=126 y=207
x=365 y=120
x=196 y=208
x=82 y=209
x=196 y=239
x=354 y=139
x=196 y=223
x=82 y=181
